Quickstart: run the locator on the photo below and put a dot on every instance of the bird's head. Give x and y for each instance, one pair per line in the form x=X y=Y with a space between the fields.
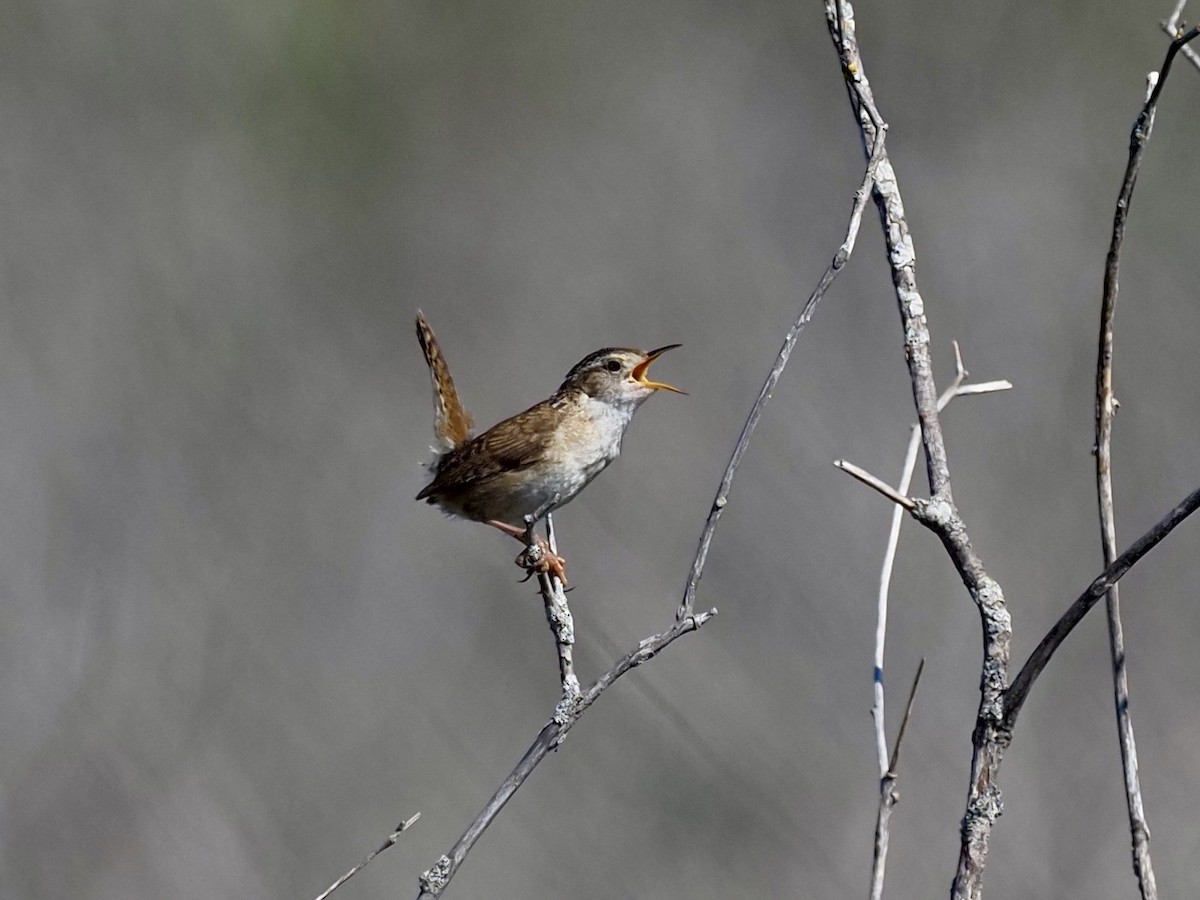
x=618 y=376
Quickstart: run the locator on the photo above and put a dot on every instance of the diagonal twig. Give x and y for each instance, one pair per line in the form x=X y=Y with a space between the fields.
x=391 y=841
x=1018 y=692
x=840 y=258
x=889 y=796
x=552 y=734
x=877 y=484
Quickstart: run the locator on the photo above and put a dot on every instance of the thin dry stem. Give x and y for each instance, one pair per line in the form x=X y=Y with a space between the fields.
x=957 y=389
x=878 y=484
x=1018 y=693
x=390 y=842
x=1106 y=407
x=840 y=258
x=889 y=796
x=434 y=881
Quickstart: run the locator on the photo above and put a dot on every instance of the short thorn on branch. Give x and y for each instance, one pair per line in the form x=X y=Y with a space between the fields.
x=881 y=486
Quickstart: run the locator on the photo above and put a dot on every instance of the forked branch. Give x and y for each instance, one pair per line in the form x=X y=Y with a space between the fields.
x=1174 y=28
x=938 y=513
x=888 y=776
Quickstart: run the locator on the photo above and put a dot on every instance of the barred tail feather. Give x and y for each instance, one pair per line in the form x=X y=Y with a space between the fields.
x=451 y=423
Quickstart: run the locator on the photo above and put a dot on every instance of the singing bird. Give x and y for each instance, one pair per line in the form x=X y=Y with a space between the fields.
x=540 y=459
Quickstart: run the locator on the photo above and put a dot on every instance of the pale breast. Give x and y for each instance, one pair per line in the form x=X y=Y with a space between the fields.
x=588 y=441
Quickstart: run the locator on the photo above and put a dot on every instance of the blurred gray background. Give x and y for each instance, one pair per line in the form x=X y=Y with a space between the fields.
x=234 y=653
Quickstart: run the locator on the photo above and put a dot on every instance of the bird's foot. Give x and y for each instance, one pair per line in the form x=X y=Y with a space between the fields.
x=539 y=559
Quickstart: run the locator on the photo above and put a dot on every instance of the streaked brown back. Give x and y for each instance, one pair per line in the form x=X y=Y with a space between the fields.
x=451 y=423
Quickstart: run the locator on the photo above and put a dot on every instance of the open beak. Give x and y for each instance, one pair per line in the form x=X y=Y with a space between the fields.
x=640 y=370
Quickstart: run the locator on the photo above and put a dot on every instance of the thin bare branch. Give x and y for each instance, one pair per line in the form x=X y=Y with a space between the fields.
x=1173 y=28
x=391 y=840
x=840 y=258
x=1106 y=407
x=889 y=796
x=881 y=606
x=984 y=387
x=434 y=881
x=872 y=482
x=1018 y=693
x=908 y=708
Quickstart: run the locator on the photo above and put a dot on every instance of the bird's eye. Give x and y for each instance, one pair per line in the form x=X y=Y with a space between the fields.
x=613 y=365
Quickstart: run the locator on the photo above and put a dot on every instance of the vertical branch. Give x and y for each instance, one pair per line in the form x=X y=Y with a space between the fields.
x=1106 y=407
x=562 y=624
x=881 y=607
x=939 y=514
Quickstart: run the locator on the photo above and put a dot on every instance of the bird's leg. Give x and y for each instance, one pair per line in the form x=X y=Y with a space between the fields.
x=510 y=530
x=537 y=556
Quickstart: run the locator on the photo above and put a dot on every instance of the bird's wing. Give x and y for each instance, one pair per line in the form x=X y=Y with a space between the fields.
x=451 y=423
x=510 y=446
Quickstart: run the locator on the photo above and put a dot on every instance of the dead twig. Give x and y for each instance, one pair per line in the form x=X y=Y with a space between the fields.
x=434 y=881
x=840 y=258
x=391 y=841
x=1106 y=407
x=889 y=796
x=1018 y=693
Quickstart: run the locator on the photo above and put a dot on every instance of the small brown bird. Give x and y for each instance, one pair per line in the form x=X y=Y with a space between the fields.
x=538 y=460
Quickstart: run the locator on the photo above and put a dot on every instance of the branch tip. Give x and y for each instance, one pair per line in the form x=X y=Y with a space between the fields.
x=872 y=482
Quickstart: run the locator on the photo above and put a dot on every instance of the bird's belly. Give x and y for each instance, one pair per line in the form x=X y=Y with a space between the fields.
x=512 y=496
x=567 y=481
